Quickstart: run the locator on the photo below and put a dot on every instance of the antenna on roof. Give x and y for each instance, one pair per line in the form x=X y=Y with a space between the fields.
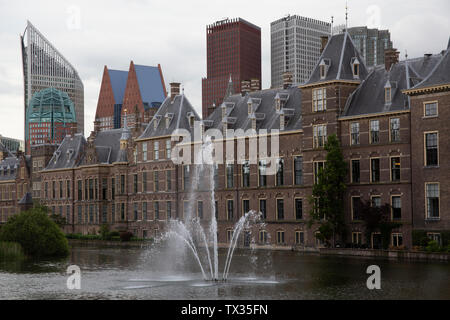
x=332 y=21
x=346 y=15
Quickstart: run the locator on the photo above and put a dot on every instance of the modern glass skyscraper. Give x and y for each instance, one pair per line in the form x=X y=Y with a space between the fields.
x=295 y=47
x=371 y=43
x=45 y=67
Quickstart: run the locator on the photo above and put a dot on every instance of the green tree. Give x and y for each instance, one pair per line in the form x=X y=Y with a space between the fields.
x=328 y=194
x=38 y=235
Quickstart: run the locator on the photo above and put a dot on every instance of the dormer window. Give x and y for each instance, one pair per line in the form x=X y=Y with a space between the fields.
x=388 y=92
x=324 y=66
x=155 y=124
x=355 y=67
x=250 y=106
x=191 y=119
x=254 y=124
x=282 y=122
x=224 y=111
x=277 y=102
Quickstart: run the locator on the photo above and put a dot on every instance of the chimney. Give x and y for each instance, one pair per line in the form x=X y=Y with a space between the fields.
x=390 y=58
x=287 y=80
x=174 y=89
x=245 y=87
x=323 y=43
x=254 y=85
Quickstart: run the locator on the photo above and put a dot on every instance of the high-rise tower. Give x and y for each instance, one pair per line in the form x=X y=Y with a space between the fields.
x=45 y=67
x=233 y=49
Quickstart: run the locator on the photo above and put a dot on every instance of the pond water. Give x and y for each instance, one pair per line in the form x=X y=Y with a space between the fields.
x=157 y=272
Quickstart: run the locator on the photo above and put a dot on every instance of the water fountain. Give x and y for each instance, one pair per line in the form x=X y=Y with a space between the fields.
x=193 y=234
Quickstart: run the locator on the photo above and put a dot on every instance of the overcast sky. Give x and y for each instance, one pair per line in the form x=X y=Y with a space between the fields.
x=94 y=33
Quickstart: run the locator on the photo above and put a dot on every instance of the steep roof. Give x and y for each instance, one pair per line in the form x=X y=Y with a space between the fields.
x=118 y=83
x=177 y=112
x=150 y=84
x=107 y=145
x=440 y=75
x=263 y=104
x=8 y=168
x=339 y=53
x=5 y=150
x=69 y=154
x=369 y=97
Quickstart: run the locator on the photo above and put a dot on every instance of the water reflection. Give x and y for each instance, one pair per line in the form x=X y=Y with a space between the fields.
x=154 y=273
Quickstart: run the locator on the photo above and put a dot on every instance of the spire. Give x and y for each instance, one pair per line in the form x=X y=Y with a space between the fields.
x=230 y=89
x=346 y=15
x=332 y=23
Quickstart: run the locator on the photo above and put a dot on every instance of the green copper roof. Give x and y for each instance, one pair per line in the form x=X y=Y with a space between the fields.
x=51 y=105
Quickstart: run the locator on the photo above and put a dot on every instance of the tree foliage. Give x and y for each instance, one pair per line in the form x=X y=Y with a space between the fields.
x=328 y=194
x=38 y=235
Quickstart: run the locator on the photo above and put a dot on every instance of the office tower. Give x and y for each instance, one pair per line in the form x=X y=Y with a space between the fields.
x=45 y=67
x=295 y=47
x=50 y=117
x=371 y=43
x=141 y=91
x=233 y=53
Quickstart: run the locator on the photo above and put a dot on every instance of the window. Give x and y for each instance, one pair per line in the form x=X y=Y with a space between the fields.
x=229 y=235
x=376 y=201
x=263 y=239
x=387 y=94
x=80 y=214
x=263 y=208
x=156 y=207
x=395 y=129
x=356 y=238
x=246 y=174
x=280 y=172
x=433 y=236
x=432 y=195
x=216 y=176
x=91 y=189
x=319 y=166
x=431 y=149
x=356 y=208
x=245 y=206
x=319 y=136
x=156 y=150
x=354 y=128
x=280 y=209
x=200 y=209
x=230 y=175
x=397 y=239
x=356 y=70
x=156 y=181
x=104 y=214
x=53 y=190
x=186 y=177
x=169 y=210
x=396 y=207
x=355 y=171
x=374 y=131
x=319 y=99
x=298 y=209
x=169 y=180
x=430 y=109
x=135 y=211
x=122 y=184
x=144 y=181
x=262 y=173
x=68 y=189
x=46 y=190
x=298 y=170
x=395 y=168
x=168 y=149
x=216 y=209
x=135 y=183
x=79 y=187
x=113 y=188
x=299 y=237
x=375 y=170
x=144 y=151
x=230 y=208
x=144 y=211
x=280 y=237
x=122 y=211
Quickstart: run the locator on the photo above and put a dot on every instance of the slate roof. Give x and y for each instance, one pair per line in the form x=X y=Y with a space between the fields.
x=118 y=83
x=263 y=103
x=339 y=53
x=440 y=74
x=69 y=153
x=8 y=168
x=177 y=114
x=369 y=97
x=26 y=199
x=150 y=85
x=107 y=145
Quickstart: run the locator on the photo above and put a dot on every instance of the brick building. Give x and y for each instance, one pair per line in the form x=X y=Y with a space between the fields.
x=140 y=90
x=233 y=55
x=390 y=121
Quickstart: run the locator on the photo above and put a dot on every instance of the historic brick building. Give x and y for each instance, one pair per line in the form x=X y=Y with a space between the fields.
x=390 y=121
x=140 y=91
